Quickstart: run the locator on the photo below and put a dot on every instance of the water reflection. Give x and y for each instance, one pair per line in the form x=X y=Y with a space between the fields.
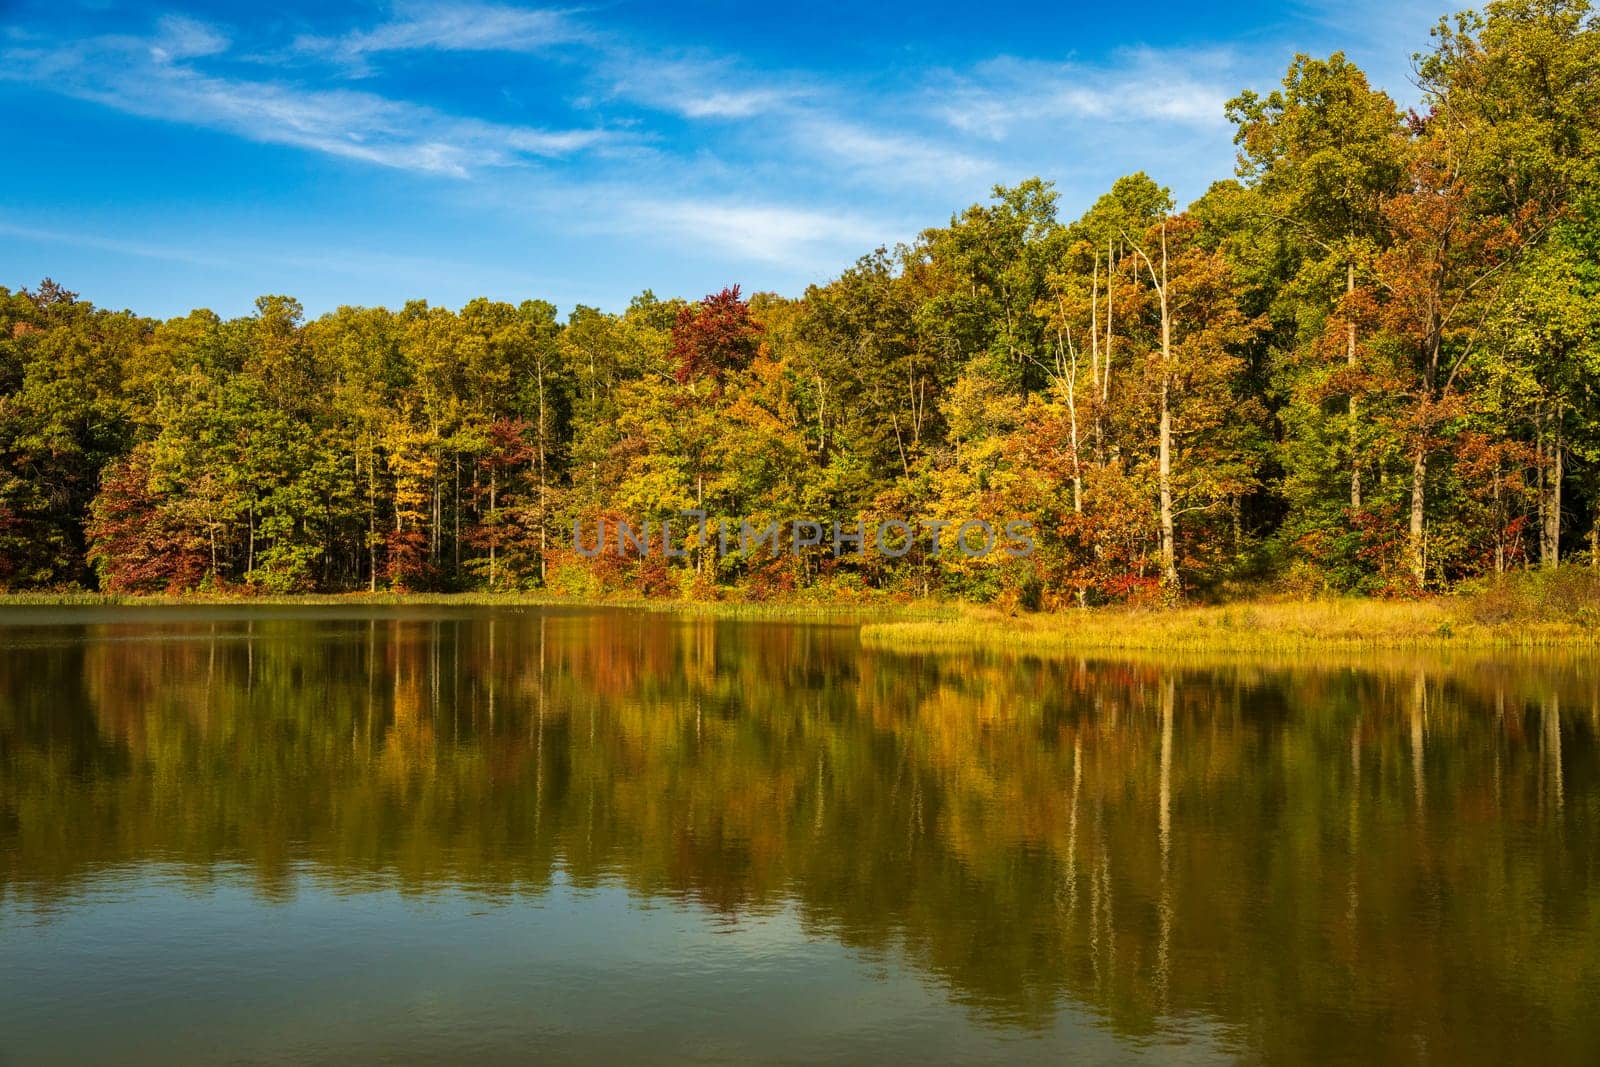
x=1369 y=858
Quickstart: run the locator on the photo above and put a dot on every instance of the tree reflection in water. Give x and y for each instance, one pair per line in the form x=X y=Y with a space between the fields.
x=1365 y=856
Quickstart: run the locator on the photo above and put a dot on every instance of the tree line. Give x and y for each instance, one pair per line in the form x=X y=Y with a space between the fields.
x=1366 y=363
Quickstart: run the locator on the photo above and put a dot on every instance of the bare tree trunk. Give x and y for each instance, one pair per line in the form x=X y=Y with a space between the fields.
x=899 y=441
x=1169 y=551
x=1419 y=481
x=372 y=516
x=1094 y=327
x=1094 y=356
x=1105 y=381
x=1550 y=474
x=1419 y=465
x=1350 y=362
x=543 y=449
x=1500 y=528
x=1070 y=372
x=1169 y=565
x=1068 y=369
x=1077 y=470
x=433 y=542
x=1169 y=560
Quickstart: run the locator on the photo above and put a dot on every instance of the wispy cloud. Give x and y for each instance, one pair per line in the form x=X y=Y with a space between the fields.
x=1006 y=94
x=760 y=232
x=891 y=158
x=667 y=143
x=152 y=77
x=115 y=246
x=450 y=27
x=180 y=37
x=820 y=127
x=204 y=252
x=698 y=88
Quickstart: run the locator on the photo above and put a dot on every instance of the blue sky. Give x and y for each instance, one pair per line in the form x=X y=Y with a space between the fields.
x=169 y=156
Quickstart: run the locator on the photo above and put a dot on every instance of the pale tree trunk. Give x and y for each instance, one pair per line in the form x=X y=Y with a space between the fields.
x=1169 y=566
x=372 y=515
x=544 y=524
x=1500 y=527
x=1169 y=561
x=433 y=544
x=1077 y=471
x=919 y=411
x=1550 y=474
x=1350 y=361
x=1094 y=327
x=1419 y=481
x=1067 y=369
x=494 y=518
x=1419 y=463
x=700 y=503
x=1105 y=380
x=1169 y=552
x=1096 y=377
x=1071 y=376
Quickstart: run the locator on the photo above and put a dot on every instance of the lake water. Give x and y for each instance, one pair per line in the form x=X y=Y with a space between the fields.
x=317 y=834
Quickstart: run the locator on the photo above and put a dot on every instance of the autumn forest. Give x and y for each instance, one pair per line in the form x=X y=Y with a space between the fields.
x=1365 y=363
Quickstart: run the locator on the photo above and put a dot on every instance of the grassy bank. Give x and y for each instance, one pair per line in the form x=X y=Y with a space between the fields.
x=1261 y=626
x=1524 y=611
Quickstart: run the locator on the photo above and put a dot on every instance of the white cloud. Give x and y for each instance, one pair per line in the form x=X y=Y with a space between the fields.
x=287 y=257
x=783 y=167
x=115 y=246
x=897 y=159
x=819 y=126
x=450 y=27
x=999 y=97
x=697 y=89
x=760 y=232
x=732 y=105
x=146 y=77
x=179 y=37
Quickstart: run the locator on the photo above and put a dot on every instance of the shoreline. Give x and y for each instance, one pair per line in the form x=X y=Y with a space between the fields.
x=1251 y=627
x=1246 y=626
x=884 y=610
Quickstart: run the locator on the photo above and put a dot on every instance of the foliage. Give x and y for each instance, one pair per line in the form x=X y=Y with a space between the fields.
x=1366 y=365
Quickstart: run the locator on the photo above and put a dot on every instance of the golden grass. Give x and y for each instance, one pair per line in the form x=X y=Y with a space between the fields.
x=1257 y=626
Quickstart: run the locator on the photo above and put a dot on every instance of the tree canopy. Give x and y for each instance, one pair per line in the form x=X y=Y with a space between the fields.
x=1366 y=363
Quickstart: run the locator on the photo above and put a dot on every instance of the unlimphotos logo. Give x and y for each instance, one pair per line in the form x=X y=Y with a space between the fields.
x=893 y=538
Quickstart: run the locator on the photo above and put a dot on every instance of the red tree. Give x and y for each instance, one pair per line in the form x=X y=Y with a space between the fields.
x=714 y=337
x=136 y=542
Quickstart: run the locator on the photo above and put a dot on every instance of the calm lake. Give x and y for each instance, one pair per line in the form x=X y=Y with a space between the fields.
x=316 y=834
